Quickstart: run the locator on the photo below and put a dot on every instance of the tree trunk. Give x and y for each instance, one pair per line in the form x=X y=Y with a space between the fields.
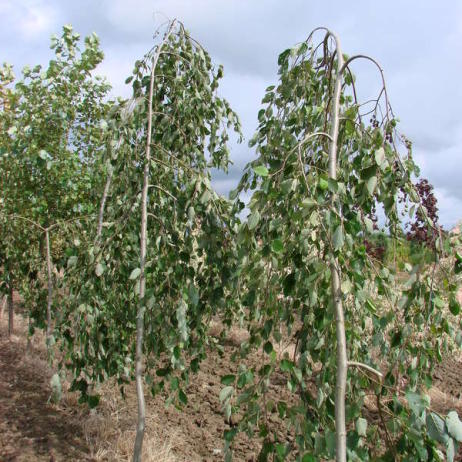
x=141 y=307
x=29 y=342
x=50 y=286
x=5 y=301
x=10 y=310
x=102 y=205
x=342 y=362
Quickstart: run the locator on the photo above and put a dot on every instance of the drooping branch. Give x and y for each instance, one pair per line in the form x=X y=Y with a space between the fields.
x=143 y=245
x=382 y=76
x=366 y=367
x=160 y=188
x=298 y=146
x=32 y=222
x=107 y=186
x=342 y=364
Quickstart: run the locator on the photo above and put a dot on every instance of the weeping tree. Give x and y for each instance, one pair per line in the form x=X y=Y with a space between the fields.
x=53 y=136
x=325 y=163
x=7 y=78
x=147 y=279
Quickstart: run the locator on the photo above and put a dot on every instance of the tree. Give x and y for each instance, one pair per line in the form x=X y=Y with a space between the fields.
x=321 y=172
x=150 y=275
x=51 y=149
x=7 y=98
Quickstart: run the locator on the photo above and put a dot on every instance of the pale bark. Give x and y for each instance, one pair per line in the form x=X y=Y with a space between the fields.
x=137 y=451
x=5 y=301
x=103 y=204
x=29 y=343
x=10 y=310
x=365 y=367
x=342 y=362
x=50 y=285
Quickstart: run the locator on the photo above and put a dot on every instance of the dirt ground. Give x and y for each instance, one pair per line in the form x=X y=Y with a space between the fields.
x=33 y=429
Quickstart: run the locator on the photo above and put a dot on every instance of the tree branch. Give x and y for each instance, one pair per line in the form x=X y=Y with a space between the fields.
x=366 y=367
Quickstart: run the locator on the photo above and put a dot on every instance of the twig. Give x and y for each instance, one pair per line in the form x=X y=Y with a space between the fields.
x=366 y=367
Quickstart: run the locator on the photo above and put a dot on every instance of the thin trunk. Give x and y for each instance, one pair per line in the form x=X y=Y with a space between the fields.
x=140 y=314
x=342 y=362
x=10 y=309
x=50 y=286
x=5 y=301
x=102 y=205
x=29 y=343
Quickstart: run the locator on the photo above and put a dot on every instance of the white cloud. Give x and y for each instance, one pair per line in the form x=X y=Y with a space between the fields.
x=450 y=208
x=33 y=18
x=416 y=43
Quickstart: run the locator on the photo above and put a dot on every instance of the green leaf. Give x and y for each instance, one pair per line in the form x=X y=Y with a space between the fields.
x=361 y=426
x=93 y=400
x=230 y=434
x=205 y=198
x=332 y=185
x=288 y=185
x=308 y=202
x=371 y=307
x=369 y=225
x=182 y=397
x=298 y=374
x=226 y=393
x=228 y=379
x=330 y=443
x=337 y=238
x=418 y=403
x=286 y=365
x=233 y=194
x=380 y=158
x=450 y=450
x=135 y=273
x=454 y=306
x=458 y=339
x=99 y=270
x=268 y=347
x=309 y=458
x=277 y=246
x=261 y=170
x=191 y=213
x=261 y=115
x=253 y=220
x=436 y=427
x=323 y=183
x=72 y=261
x=371 y=184
x=43 y=154
x=454 y=426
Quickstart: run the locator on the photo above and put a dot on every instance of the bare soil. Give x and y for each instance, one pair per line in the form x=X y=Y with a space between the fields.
x=33 y=429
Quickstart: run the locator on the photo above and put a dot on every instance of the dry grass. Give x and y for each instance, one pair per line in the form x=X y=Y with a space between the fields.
x=109 y=430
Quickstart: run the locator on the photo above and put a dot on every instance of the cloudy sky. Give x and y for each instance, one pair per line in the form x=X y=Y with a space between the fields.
x=417 y=43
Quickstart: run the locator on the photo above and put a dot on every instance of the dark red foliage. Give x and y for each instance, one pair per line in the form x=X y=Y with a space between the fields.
x=419 y=230
x=376 y=251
